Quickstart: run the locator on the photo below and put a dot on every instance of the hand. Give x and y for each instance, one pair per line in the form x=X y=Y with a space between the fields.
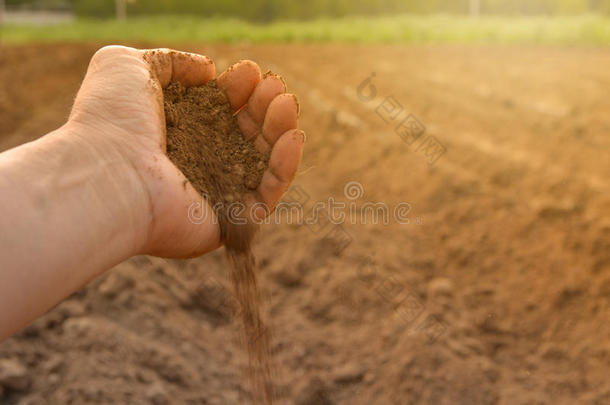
x=120 y=107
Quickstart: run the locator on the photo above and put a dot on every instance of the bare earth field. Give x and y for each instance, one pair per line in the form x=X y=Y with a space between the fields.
x=497 y=291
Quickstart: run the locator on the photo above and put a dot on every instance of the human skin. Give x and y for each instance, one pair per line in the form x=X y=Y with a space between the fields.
x=101 y=189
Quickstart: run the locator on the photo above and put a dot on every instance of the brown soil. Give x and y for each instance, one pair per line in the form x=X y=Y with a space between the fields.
x=511 y=252
x=205 y=142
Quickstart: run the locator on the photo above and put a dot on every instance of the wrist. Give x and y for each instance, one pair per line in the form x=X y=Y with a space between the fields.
x=115 y=179
x=96 y=186
x=73 y=208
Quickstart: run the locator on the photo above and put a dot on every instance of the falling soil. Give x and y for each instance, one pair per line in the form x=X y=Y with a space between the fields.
x=205 y=142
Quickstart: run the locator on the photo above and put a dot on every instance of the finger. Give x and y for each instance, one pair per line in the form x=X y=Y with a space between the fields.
x=283 y=164
x=281 y=116
x=251 y=118
x=189 y=69
x=266 y=90
x=238 y=82
x=107 y=55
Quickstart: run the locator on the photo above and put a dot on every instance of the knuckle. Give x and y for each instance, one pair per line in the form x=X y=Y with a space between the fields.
x=109 y=51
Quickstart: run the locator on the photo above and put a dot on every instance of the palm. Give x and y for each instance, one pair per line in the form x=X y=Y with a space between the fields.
x=124 y=96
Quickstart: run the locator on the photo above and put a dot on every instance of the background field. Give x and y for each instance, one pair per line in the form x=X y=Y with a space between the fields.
x=496 y=292
x=566 y=30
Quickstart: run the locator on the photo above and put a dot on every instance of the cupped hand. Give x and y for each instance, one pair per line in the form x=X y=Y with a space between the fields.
x=120 y=106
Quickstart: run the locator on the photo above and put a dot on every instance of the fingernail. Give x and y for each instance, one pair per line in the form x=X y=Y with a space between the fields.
x=303 y=136
x=269 y=73
x=296 y=101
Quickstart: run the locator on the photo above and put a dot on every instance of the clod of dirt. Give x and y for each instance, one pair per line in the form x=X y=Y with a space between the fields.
x=314 y=392
x=204 y=141
x=13 y=375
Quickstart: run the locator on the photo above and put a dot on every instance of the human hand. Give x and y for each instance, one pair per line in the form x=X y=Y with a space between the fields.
x=120 y=107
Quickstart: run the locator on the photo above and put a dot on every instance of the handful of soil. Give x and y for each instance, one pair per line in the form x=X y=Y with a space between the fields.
x=204 y=141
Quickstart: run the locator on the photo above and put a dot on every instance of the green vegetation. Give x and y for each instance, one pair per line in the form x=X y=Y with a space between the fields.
x=588 y=29
x=268 y=10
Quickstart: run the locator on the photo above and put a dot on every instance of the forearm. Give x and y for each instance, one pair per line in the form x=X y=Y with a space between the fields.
x=66 y=214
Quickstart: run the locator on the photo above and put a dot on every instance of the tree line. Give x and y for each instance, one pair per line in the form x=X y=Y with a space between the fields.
x=266 y=10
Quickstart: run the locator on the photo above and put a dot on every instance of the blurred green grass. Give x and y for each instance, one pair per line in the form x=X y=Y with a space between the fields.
x=577 y=30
